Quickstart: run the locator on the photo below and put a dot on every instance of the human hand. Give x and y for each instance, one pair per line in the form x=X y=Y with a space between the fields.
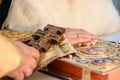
x=31 y=57
x=80 y=37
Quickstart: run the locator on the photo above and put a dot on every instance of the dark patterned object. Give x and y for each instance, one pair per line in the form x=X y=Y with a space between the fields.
x=54 y=29
x=42 y=40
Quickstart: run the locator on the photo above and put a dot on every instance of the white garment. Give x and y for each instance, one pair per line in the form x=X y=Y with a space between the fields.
x=96 y=16
x=113 y=37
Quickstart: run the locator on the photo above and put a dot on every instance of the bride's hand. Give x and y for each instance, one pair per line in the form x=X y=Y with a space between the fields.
x=80 y=37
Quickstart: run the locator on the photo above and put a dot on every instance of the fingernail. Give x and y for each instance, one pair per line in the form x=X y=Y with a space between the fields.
x=79 y=44
x=95 y=40
x=88 y=44
x=93 y=43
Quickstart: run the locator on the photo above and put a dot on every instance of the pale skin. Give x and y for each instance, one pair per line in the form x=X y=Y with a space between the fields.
x=80 y=37
x=32 y=55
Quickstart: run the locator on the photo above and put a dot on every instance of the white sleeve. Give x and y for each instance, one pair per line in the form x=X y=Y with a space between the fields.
x=41 y=27
x=113 y=37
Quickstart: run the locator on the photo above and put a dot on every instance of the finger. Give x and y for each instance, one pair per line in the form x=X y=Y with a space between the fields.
x=28 y=71
x=74 y=31
x=93 y=42
x=29 y=67
x=17 y=75
x=89 y=43
x=35 y=54
x=76 y=34
x=86 y=35
x=78 y=40
x=33 y=64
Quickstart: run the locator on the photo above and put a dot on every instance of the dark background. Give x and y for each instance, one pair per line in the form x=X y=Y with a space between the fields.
x=117 y=4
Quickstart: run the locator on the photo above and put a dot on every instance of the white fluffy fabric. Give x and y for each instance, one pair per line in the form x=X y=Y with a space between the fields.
x=96 y=16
